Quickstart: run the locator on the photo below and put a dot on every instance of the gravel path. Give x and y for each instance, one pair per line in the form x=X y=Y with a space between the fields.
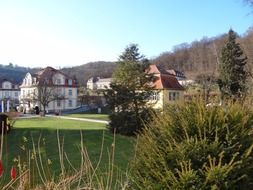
x=79 y=119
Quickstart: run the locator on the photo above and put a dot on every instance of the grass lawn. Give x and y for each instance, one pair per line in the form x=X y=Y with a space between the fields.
x=90 y=116
x=19 y=141
x=54 y=123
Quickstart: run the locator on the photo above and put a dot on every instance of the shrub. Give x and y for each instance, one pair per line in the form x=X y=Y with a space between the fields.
x=128 y=122
x=192 y=146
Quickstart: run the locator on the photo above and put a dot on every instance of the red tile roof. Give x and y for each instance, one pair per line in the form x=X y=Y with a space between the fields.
x=164 y=80
x=158 y=70
x=167 y=82
x=48 y=73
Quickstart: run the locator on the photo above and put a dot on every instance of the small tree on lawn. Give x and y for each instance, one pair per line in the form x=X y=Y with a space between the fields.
x=129 y=92
x=232 y=80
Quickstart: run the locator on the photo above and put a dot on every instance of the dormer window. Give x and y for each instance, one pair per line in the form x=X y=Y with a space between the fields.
x=6 y=86
x=46 y=81
x=58 y=81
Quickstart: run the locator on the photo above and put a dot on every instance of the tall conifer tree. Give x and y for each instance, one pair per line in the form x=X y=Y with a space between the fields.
x=232 y=80
x=129 y=92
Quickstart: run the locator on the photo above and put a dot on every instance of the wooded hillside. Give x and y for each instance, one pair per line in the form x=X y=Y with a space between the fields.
x=88 y=70
x=202 y=57
x=13 y=73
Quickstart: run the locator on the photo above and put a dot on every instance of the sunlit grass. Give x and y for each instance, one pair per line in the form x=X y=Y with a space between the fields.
x=90 y=116
x=57 y=123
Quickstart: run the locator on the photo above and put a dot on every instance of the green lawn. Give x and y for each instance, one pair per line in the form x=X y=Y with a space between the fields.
x=57 y=123
x=93 y=133
x=90 y=116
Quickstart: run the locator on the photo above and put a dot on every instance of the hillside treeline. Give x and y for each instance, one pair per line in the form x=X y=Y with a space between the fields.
x=94 y=69
x=202 y=57
x=13 y=72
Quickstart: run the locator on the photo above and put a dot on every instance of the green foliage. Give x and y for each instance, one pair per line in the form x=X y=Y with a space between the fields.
x=196 y=147
x=128 y=122
x=129 y=93
x=13 y=73
x=232 y=80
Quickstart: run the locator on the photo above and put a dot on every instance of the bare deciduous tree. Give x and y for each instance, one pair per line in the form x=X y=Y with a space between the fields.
x=43 y=94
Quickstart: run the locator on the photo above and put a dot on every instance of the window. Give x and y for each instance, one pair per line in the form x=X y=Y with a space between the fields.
x=6 y=86
x=58 y=81
x=58 y=103
x=58 y=91
x=70 y=92
x=177 y=95
x=70 y=103
x=173 y=96
x=155 y=96
x=170 y=96
x=6 y=94
x=46 y=81
x=70 y=82
x=16 y=94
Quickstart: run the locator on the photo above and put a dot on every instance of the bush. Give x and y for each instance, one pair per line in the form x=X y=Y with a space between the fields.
x=196 y=147
x=128 y=122
x=6 y=123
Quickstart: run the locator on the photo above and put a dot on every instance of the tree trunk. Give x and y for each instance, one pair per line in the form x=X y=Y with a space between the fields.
x=43 y=112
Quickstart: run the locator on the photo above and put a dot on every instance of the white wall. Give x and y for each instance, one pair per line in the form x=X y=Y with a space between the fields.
x=8 y=92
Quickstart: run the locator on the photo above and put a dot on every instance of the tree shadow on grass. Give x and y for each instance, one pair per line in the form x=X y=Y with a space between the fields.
x=19 y=145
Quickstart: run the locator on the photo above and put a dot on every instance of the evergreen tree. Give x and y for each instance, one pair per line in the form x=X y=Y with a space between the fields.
x=129 y=92
x=232 y=80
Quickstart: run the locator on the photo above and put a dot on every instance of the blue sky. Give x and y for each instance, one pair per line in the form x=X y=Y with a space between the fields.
x=64 y=33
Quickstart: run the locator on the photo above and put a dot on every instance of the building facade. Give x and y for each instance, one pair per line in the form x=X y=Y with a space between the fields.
x=97 y=83
x=50 y=83
x=167 y=89
x=9 y=94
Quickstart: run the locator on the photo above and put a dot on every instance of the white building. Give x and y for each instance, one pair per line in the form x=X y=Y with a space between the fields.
x=97 y=83
x=9 y=94
x=56 y=82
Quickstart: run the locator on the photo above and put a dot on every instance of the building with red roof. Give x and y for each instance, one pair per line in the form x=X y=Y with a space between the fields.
x=167 y=89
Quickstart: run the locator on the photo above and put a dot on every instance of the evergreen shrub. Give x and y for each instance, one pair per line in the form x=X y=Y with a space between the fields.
x=192 y=146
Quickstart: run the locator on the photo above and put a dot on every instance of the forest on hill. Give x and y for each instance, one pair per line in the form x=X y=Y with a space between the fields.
x=202 y=57
x=13 y=72
x=195 y=59
x=93 y=69
x=199 y=57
